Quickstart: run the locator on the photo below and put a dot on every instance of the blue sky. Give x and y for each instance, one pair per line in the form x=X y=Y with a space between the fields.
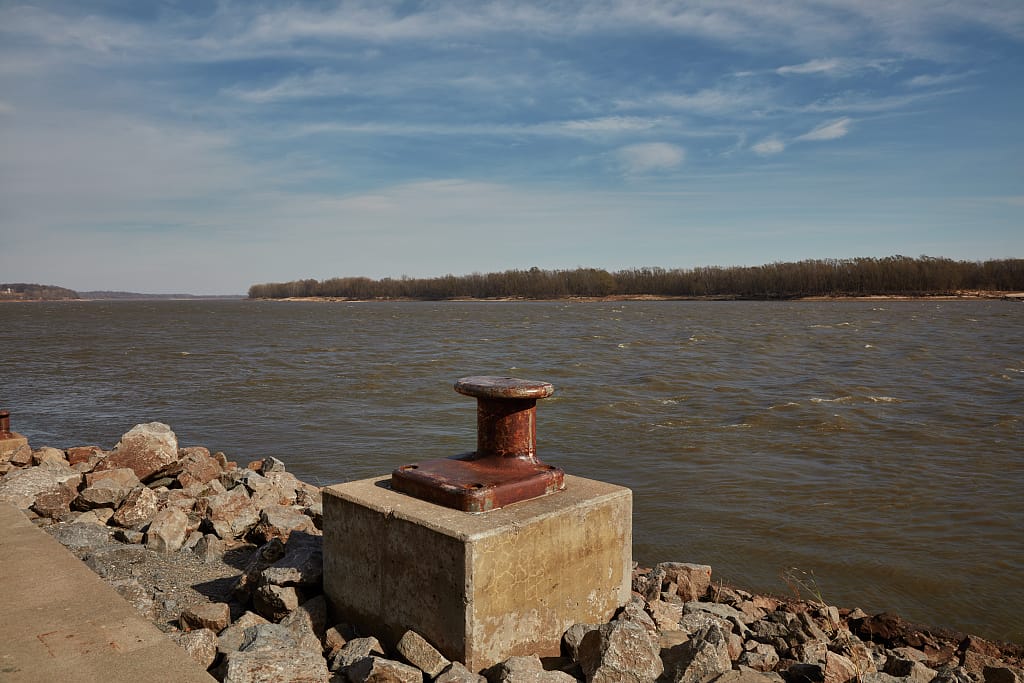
x=175 y=146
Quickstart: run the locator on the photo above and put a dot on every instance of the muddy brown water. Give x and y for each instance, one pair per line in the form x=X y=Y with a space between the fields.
x=874 y=449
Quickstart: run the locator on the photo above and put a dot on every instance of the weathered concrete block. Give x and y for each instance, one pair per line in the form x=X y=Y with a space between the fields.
x=479 y=587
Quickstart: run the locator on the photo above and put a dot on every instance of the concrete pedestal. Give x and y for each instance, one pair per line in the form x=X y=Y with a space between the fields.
x=479 y=587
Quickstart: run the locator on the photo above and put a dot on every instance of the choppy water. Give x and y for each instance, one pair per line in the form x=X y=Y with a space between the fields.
x=877 y=445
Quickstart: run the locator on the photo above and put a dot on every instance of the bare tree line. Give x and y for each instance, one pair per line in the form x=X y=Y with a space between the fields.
x=893 y=275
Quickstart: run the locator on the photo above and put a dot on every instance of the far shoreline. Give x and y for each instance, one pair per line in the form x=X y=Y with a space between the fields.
x=614 y=298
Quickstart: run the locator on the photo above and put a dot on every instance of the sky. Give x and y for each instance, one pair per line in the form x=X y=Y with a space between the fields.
x=172 y=146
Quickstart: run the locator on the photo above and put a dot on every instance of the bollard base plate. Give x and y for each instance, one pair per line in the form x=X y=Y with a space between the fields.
x=473 y=484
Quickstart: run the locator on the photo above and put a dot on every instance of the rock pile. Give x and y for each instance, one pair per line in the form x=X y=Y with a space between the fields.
x=148 y=514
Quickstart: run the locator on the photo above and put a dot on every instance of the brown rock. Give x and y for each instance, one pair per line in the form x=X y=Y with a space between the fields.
x=276 y=666
x=379 y=670
x=421 y=654
x=760 y=656
x=16 y=453
x=231 y=639
x=107 y=488
x=84 y=454
x=200 y=644
x=839 y=669
x=138 y=509
x=692 y=580
x=307 y=624
x=46 y=454
x=666 y=614
x=336 y=636
x=215 y=616
x=620 y=651
x=167 y=531
x=275 y=602
x=232 y=513
x=353 y=651
x=1002 y=674
x=55 y=501
x=20 y=487
x=529 y=669
x=302 y=564
x=279 y=521
x=146 y=448
x=197 y=466
x=702 y=658
x=457 y=673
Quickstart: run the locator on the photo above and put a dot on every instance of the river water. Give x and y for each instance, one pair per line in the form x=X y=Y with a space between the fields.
x=873 y=449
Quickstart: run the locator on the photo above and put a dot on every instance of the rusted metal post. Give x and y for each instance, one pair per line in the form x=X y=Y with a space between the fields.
x=505 y=468
x=5 y=424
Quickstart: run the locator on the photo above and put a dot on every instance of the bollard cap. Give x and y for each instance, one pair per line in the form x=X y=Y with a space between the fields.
x=488 y=386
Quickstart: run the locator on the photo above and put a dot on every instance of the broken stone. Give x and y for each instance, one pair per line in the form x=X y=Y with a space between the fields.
x=48 y=455
x=215 y=616
x=702 y=658
x=275 y=602
x=302 y=564
x=421 y=654
x=231 y=514
x=620 y=651
x=529 y=669
x=336 y=636
x=279 y=521
x=692 y=580
x=380 y=670
x=146 y=449
x=230 y=639
x=107 y=488
x=307 y=624
x=457 y=673
x=167 y=531
x=209 y=548
x=89 y=455
x=353 y=651
x=20 y=487
x=98 y=517
x=55 y=501
x=200 y=644
x=129 y=536
x=761 y=657
x=138 y=509
x=666 y=614
x=197 y=466
x=266 y=555
x=276 y=666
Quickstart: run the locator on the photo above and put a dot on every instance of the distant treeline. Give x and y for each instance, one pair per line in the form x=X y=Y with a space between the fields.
x=24 y=291
x=893 y=275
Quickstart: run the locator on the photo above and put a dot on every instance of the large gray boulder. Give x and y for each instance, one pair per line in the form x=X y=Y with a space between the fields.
x=20 y=487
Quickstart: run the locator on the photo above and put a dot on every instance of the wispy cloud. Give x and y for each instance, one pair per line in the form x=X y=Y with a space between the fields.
x=859 y=101
x=930 y=80
x=769 y=146
x=837 y=67
x=831 y=130
x=651 y=156
x=320 y=83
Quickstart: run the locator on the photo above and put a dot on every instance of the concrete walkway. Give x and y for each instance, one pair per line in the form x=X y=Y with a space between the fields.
x=61 y=622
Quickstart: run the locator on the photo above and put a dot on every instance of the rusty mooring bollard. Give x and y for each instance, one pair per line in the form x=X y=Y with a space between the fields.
x=505 y=468
x=5 y=424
